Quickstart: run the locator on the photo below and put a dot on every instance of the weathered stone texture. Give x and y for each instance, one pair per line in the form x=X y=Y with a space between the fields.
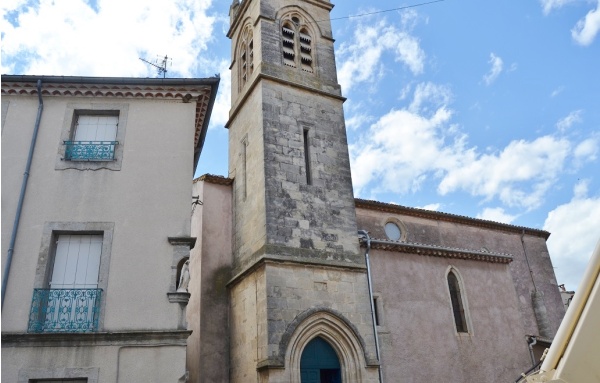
x=292 y=289
x=324 y=203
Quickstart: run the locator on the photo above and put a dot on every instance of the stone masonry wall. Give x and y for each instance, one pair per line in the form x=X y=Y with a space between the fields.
x=317 y=216
x=247 y=326
x=293 y=289
x=249 y=200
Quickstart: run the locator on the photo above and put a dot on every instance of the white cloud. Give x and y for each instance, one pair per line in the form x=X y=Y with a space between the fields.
x=429 y=95
x=519 y=175
x=557 y=91
x=71 y=37
x=220 y=112
x=587 y=150
x=586 y=29
x=402 y=146
x=431 y=206
x=361 y=59
x=575 y=228
x=549 y=5
x=357 y=121
x=406 y=148
x=496 y=214
x=573 y=117
x=497 y=65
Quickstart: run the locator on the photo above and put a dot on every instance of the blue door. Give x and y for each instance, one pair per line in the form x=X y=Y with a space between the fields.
x=319 y=363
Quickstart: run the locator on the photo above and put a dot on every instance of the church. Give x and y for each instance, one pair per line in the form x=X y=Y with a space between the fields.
x=295 y=280
x=279 y=274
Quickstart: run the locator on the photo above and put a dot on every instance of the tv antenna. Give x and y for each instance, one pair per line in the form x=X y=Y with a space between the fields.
x=162 y=67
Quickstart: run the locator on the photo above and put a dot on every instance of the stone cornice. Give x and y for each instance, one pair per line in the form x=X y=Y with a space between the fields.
x=175 y=337
x=186 y=241
x=438 y=251
x=268 y=255
x=429 y=214
x=239 y=103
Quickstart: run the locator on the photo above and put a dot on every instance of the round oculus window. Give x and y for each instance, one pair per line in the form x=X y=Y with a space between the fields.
x=392 y=231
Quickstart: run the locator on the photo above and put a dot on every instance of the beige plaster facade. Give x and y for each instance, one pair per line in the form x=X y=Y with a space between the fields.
x=138 y=204
x=417 y=332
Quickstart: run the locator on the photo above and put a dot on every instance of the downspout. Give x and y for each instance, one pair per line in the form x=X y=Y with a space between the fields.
x=366 y=235
x=13 y=237
x=533 y=340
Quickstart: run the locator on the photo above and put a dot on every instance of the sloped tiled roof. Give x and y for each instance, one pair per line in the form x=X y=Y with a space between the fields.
x=436 y=215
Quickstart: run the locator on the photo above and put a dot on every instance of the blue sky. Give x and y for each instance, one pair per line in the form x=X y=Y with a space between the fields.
x=483 y=109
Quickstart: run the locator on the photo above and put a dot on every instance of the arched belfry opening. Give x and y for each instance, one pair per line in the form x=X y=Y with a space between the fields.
x=319 y=363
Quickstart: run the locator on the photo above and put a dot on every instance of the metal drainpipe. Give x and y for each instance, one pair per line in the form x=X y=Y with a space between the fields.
x=22 y=195
x=364 y=233
x=530 y=345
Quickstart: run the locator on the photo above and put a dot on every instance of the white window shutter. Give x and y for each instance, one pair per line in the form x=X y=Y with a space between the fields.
x=77 y=262
x=96 y=128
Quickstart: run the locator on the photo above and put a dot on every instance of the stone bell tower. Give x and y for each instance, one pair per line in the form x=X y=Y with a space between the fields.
x=298 y=272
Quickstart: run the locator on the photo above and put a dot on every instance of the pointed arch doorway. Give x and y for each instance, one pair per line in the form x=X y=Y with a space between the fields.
x=319 y=363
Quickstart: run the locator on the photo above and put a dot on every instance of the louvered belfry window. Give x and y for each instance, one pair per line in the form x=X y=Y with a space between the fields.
x=246 y=54
x=296 y=43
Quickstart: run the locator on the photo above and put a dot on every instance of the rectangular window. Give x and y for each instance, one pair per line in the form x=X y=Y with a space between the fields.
x=93 y=138
x=82 y=380
x=77 y=262
x=376 y=310
x=72 y=301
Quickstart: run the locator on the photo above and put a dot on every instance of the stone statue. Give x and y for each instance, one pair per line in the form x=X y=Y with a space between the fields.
x=184 y=279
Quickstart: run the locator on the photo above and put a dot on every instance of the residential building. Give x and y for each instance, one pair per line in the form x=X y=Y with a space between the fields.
x=90 y=274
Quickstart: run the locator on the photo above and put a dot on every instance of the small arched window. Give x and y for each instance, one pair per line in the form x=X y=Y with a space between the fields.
x=296 y=43
x=246 y=55
x=458 y=307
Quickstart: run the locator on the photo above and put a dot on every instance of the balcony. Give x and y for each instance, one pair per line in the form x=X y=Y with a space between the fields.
x=65 y=310
x=90 y=150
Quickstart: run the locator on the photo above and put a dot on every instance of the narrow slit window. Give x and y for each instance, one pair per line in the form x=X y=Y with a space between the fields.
x=307 y=157
x=244 y=169
x=457 y=303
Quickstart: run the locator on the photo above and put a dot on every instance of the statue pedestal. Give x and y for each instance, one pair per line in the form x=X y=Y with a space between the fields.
x=179 y=297
x=182 y=298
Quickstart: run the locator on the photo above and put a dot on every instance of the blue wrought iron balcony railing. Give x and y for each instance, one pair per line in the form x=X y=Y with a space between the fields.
x=65 y=310
x=90 y=150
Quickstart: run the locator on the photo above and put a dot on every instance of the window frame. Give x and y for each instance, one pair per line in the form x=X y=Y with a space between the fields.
x=72 y=113
x=401 y=226
x=463 y=300
x=246 y=56
x=79 y=126
x=297 y=24
x=47 y=253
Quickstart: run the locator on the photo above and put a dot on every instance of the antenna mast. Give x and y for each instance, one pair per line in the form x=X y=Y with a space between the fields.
x=162 y=68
